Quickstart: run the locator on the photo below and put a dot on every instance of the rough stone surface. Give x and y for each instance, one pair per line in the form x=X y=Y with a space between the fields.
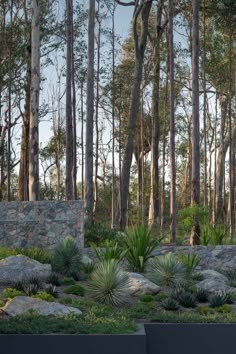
x=212 y=257
x=139 y=285
x=86 y=259
x=22 y=304
x=17 y=268
x=41 y=223
x=213 y=281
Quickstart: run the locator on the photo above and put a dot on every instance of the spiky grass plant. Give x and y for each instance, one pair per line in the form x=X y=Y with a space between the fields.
x=170 y=304
x=65 y=257
x=202 y=295
x=109 y=250
x=108 y=284
x=166 y=270
x=220 y=298
x=190 y=261
x=139 y=244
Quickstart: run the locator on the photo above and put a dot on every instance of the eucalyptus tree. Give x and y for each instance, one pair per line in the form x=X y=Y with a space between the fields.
x=34 y=104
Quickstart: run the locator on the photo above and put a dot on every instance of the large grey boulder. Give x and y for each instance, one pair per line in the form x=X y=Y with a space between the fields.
x=17 y=268
x=213 y=281
x=22 y=304
x=139 y=285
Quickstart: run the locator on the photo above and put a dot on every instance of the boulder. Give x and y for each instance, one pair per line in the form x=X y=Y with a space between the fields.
x=86 y=259
x=22 y=304
x=18 y=268
x=213 y=281
x=139 y=285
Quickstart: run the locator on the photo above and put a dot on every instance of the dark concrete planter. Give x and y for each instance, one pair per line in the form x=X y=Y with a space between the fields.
x=190 y=338
x=158 y=338
x=76 y=344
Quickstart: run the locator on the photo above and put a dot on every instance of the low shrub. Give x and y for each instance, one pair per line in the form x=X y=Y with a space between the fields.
x=190 y=262
x=11 y=293
x=75 y=290
x=69 y=281
x=219 y=299
x=108 y=284
x=187 y=299
x=44 y=296
x=166 y=270
x=63 y=260
x=170 y=304
x=204 y=310
x=110 y=250
x=226 y=308
x=160 y=297
x=146 y=298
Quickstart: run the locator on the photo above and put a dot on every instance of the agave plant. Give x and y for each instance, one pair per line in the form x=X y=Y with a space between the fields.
x=166 y=270
x=139 y=245
x=108 y=284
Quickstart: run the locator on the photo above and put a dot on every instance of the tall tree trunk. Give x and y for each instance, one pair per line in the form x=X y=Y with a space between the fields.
x=34 y=105
x=69 y=124
x=204 y=107
x=140 y=46
x=82 y=137
x=195 y=192
x=74 y=125
x=113 y=198
x=172 y=128
x=89 y=117
x=154 y=195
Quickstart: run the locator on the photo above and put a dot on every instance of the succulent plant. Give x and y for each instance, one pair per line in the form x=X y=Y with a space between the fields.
x=187 y=299
x=202 y=295
x=170 y=304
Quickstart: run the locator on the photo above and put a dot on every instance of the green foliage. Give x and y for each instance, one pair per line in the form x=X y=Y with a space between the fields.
x=97 y=319
x=139 y=244
x=75 y=266
x=212 y=235
x=226 y=308
x=11 y=293
x=186 y=299
x=88 y=268
x=202 y=295
x=75 y=290
x=231 y=275
x=2 y=303
x=166 y=270
x=218 y=299
x=170 y=304
x=68 y=281
x=160 y=297
x=190 y=261
x=31 y=289
x=146 y=298
x=44 y=296
x=109 y=250
x=188 y=215
x=65 y=257
x=108 y=284
x=54 y=279
x=204 y=310
x=97 y=233
x=39 y=254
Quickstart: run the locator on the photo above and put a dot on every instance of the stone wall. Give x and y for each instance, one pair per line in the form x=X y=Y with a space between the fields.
x=212 y=257
x=41 y=223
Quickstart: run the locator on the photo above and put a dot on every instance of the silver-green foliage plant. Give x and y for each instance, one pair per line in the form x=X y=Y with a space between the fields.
x=108 y=284
x=66 y=257
x=166 y=270
x=139 y=244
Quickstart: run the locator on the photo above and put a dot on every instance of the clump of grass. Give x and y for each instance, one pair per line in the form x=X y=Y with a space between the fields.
x=170 y=304
x=66 y=257
x=69 y=281
x=146 y=298
x=75 y=290
x=44 y=296
x=11 y=293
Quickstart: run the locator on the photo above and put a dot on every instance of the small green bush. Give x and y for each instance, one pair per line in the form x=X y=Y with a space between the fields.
x=170 y=304
x=146 y=298
x=166 y=270
x=204 y=310
x=44 y=296
x=63 y=258
x=160 y=297
x=69 y=281
x=190 y=261
x=11 y=293
x=226 y=308
x=139 y=244
x=75 y=290
x=88 y=268
x=2 y=303
x=108 y=284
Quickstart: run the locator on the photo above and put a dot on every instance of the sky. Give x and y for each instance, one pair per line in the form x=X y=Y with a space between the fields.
x=123 y=18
